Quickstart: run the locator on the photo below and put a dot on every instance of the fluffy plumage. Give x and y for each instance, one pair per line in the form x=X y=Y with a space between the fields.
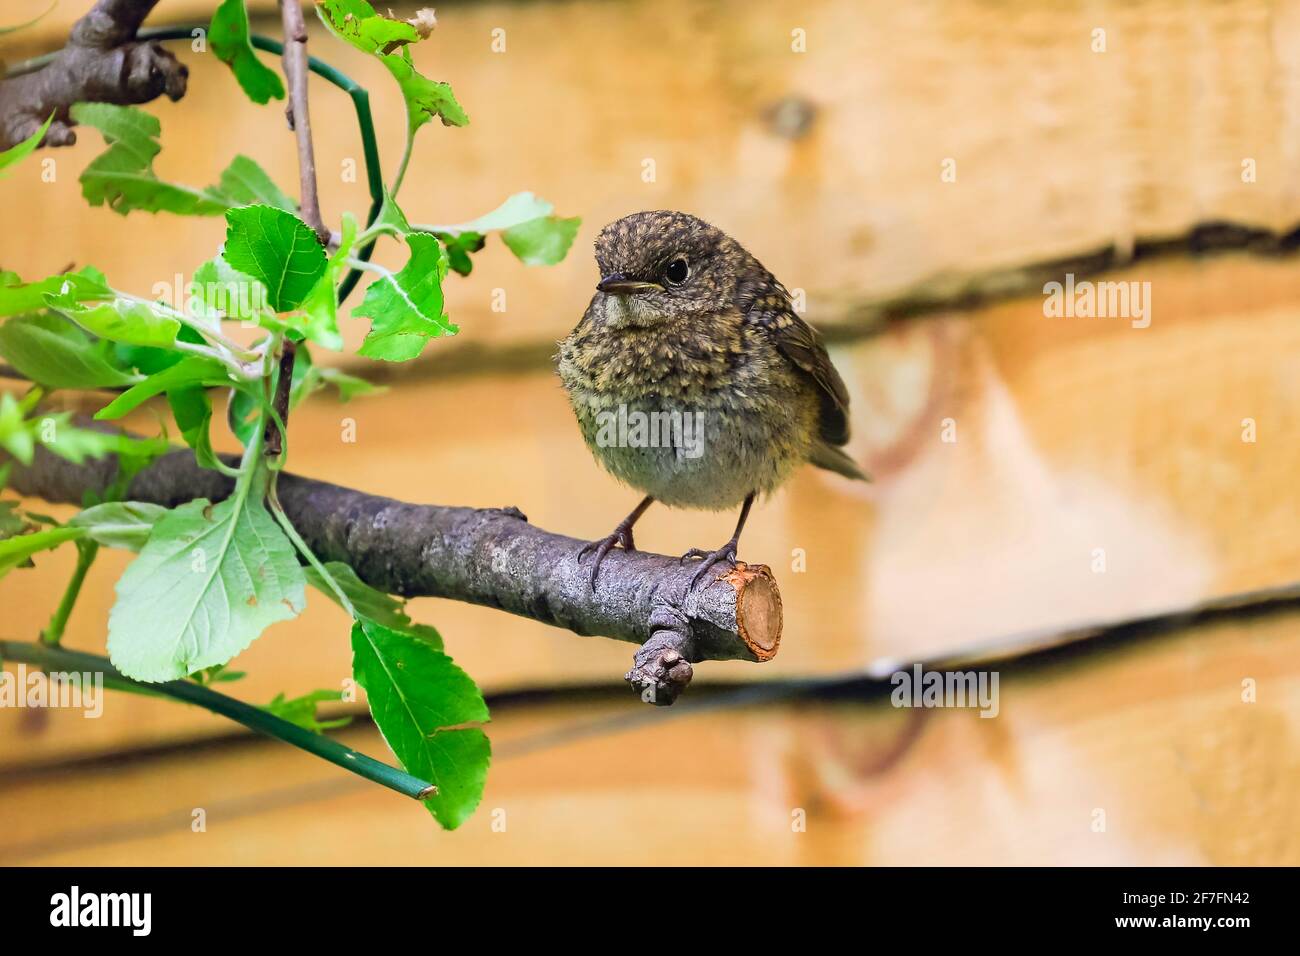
x=724 y=342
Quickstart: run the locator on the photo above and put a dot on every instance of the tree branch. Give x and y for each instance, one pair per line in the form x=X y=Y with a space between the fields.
x=492 y=557
x=294 y=62
x=102 y=62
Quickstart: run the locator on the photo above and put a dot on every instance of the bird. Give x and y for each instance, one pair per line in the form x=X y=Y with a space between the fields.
x=694 y=380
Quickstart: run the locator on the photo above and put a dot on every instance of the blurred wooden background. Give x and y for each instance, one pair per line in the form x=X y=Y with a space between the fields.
x=1073 y=435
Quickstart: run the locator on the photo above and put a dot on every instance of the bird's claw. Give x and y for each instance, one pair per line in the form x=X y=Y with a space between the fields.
x=602 y=547
x=726 y=553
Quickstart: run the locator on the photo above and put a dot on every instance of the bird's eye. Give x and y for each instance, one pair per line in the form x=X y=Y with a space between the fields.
x=677 y=272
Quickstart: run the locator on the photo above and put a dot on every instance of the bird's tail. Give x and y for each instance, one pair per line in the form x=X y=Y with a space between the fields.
x=834 y=459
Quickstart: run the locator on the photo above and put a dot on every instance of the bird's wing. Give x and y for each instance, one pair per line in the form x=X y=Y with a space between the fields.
x=766 y=305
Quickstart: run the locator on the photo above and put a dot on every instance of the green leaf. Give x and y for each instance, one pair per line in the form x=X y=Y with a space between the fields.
x=276 y=248
x=406 y=309
x=57 y=433
x=123 y=177
x=119 y=524
x=356 y=22
x=120 y=319
x=302 y=710
x=349 y=386
x=228 y=33
x=54 y=352
x=12 y=521
x=415 y=692
x=370 y=603
x=209 y=580
x=425 y=98
x=527 y=226
x=15 y=432
x=320 y=308
x=193 y=413
x=519 y=208
x=19 y=549
x=224 y=292
x=189 y=371
x=21 y=151
x=541 y=242
x=17 y=297
x=244 y=182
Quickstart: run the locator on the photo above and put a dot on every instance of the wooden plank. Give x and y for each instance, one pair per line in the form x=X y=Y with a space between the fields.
x=826 y=163
x=1072 y=435
x=1155 y=735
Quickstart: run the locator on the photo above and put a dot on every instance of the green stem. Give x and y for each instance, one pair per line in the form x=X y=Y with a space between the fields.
x=254 y=718
x=277 y=510
x=86 y=551
x=401 y=169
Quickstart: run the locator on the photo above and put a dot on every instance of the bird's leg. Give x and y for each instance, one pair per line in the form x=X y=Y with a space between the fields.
x=621 y=535
x=725 y=553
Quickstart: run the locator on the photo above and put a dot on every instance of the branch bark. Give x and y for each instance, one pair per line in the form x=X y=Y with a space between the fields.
x=102 y=62
x=492 y=557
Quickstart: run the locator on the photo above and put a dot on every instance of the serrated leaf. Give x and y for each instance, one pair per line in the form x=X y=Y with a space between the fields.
x=406 y=309
x=371 y=603
x=123 y=177
x=357 y=23
x=209 y=580
x=228 y=33
x=276 y=248
x=56 y=353
x=119 y=524
x=415 y=692
x=21 y=151
x=425 y=98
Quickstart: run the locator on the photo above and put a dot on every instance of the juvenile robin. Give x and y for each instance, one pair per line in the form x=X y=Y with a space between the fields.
x=693 y=379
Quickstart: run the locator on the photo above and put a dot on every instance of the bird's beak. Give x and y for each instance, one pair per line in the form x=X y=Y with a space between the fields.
x=619 y=284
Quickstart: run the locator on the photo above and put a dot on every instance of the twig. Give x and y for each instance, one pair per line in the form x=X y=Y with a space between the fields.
x=294 y=62
x=102 y=62
x=492 y=557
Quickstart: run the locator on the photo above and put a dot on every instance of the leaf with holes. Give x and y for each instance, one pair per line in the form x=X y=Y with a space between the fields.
x=406 y=309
